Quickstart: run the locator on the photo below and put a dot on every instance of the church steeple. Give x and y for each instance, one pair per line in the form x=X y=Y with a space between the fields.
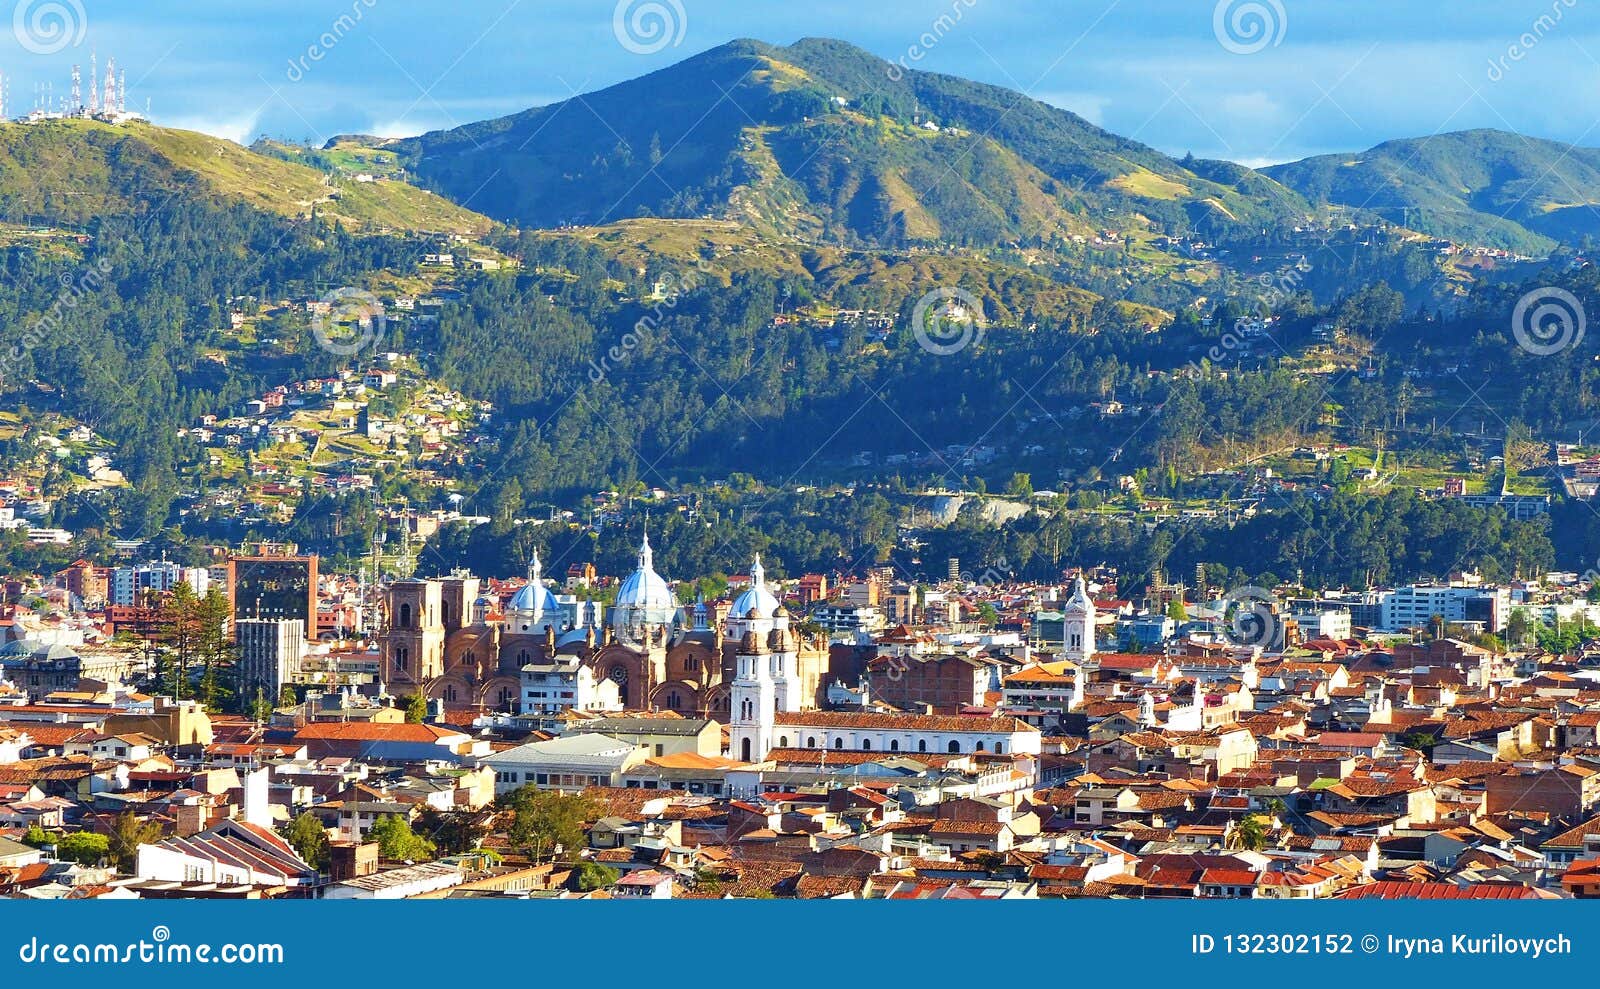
x=1077 y=624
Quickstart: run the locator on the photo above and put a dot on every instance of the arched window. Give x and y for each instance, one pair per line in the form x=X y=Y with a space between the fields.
x=979 y=748
x=672 y=700
x=811 y=741
x=999 y=748
x=744 y=749
x=400 y=657
x=783 y=741
x=922 y=745
x=838 y=743
x=866 y=745
x=894 y=745
x=405 y=615
x=955 y=746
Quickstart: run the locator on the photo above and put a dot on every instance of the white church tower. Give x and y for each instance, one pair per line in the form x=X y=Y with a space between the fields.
x=1077 y=625
x=1077 y=634
x=752 y=702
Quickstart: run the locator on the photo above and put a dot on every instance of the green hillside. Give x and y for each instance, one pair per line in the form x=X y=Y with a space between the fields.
x=74 y=171
x=1481 y=186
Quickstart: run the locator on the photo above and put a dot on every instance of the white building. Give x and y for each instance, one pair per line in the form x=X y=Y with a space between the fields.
x=1416 y=605
x=129 y=583
x=569 y=764
x=271 y=651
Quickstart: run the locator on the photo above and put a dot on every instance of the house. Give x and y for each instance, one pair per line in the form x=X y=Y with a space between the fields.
x=387 y=742
x=647 y=884
x=233 y=852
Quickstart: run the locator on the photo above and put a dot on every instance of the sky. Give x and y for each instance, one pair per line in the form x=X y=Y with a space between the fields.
x=1253 y=81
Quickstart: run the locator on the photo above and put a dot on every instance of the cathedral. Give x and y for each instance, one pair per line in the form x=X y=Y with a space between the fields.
x=450 y=639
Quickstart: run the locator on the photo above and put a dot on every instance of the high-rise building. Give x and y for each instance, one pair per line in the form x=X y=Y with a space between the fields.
x=270 y=652
x=271 y=586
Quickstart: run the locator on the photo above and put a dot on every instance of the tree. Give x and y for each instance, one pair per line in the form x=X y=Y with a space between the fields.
x=1176 y=610
x=452 y=831
x=547 y=821
x=1020 y=486
x=589 y=875
x=1250 y=834
x=36 y=836
x=309 y=838
x=416 y=708
x=83 y=847
x=127 y=835
x=397 y=842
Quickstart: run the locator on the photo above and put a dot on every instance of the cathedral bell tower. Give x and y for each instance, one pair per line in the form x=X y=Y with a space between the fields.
x=752 y=701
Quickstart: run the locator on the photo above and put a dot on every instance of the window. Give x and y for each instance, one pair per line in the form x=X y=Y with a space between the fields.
x=955 y=746
x=744 y=749
x=894 y=745
x=866 y=745
x=811 y=741
x=979 y=747
x=400 y=657
x=405 y=615
x=838 y=743
x=999 y=748
x=783 y=741
x=922 y=745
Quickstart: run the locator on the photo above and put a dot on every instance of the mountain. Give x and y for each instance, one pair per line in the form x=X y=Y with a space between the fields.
x=1480 y=186
x=825 y=141
x=72 y=172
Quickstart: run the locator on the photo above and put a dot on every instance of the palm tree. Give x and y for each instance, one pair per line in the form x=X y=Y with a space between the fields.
x=1250 y=834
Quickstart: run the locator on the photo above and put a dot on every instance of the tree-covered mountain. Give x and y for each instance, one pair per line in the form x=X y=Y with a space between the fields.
x=825 y=141
x=1480 y=186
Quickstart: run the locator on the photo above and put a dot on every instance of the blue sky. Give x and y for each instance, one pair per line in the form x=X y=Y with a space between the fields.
x=1332 y=75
